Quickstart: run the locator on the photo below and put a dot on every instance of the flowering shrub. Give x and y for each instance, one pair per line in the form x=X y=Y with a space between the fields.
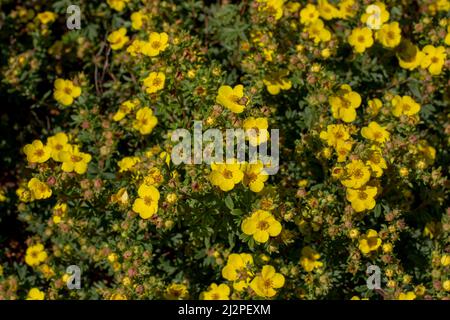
x=359 y=91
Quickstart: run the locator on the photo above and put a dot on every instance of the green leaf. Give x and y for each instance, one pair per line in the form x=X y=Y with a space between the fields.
x=229 y=202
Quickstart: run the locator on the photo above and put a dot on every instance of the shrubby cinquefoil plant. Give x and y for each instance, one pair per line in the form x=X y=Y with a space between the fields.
x=359 y=91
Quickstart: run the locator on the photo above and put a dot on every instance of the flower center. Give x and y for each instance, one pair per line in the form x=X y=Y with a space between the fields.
x=362 y=195
x=156 y=44
x=157 y=82
x=76 y=158
x=358 y=174
x=215 y=296
x=39 y=152
x=268 y=283
x=263 y=225
x=148 y=200
x=227 y=174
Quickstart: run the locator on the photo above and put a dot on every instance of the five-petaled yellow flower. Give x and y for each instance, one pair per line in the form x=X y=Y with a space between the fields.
x=308 y=259
x=66 y=91
x=363 y=198
x=35 y=294
x=254 y=175
x=369 y=242
x=232 y=98
x=74 y=160
x=154 y=82
x=217 y=292
x=35 y=255
x=238 y=270
x=226 y=175
x=404 y=106
x=375 y=132
x=39 y=190
x=361 y=39
x=145 y=121
x=147 y=203
x=118 y=38
x=37 y=152
x=261 y=225
x=267 y=281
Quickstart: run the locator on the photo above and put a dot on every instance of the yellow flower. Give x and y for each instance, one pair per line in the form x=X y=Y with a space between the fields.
x=356 y=174
x=127 y=163
x=226 y=175
x=39 y=190
x=347 y=9
x=432 y=229
x=176 y=291
x=407 y=296
x=415 y=62
x=254 y=176
x=446 y=285
x=65 y=92
x=216 y=292
x=335 y=133
x=277 y=82
x=309 y=14
x=389 y=35
x=309 y=258
x=138 y=19
x=375 y=22
x=37 y=152
x=35 y=255
x=145 y=121
x=74 y=160
x=232 y=98
x=326 y=10
x=3 y=198
x=374 y=106
x=343 y=148
x=118 y=296
x=121 y=197
x=58 y=143
x=35 y=294
x=376 y=161
x=362 y=199
x=256 y=128
x=434 y=59
x=125 y=108
x=238 y=270
x=375 y=132
x=117 y=5
x=261 y=224
x=154 y=82
x=369 y=242
x=118 y=38
x=361 y=39
x=154 y=176
x=157 y=43
x=345 y=103
x=272 y=7
x=445 y=260
x=147 y=203
x=317 y=31
x=137 y=46
x=46 y=17
x=171 y=198
x=404 y=106
x=59 y=211
x=358 y=298
x=265 y=283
